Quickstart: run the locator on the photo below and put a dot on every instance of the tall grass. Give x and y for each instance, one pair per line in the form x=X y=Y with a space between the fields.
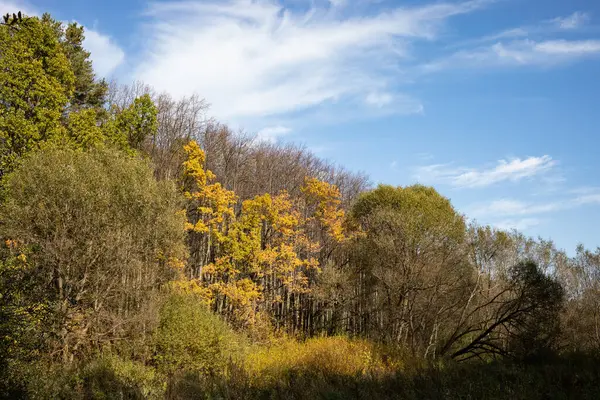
x=195 y=355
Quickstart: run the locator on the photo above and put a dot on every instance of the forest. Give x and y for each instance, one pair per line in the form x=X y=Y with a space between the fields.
x=150 y=252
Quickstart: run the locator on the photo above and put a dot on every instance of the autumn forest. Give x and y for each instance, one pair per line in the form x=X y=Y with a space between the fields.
x=148 y=251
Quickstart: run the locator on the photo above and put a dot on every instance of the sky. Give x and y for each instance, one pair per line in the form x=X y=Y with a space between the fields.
x=495 y=103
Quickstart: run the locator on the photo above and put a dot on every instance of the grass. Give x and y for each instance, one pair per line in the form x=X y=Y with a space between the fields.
x=320 y=368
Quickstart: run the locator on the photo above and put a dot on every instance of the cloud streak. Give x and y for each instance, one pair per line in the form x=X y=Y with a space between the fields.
x=516 y=214
x=521 y=224
x=573 y=21
x=532 y=45
x=517 y=53
x=512 y=170
x=272 y=133
x=260 y=59
x=509 y=207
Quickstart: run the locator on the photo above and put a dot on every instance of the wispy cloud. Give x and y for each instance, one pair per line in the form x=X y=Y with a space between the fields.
x=513 y=211
x=272 y=133
x=273 y=60
x=508 y=214
x=521 y=224
x=505 y=170
x=379 y=99
x=509 y=207
x=590 y=198
x=531 y=45
x=519 y=53
x=573 y=21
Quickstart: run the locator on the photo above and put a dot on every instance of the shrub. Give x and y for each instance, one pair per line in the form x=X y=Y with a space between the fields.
x=321 y=356
x=111 y=377
x=190 y=338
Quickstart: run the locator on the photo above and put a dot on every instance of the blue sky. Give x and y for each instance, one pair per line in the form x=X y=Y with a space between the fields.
x=493 y=102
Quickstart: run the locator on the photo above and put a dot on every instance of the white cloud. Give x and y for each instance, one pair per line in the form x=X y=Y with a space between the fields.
x=509 y=33
x=272 y=133
x=257 y=58
x=338 y=3
x=506 y=170
x=519 y=53
x=508 y=207
x=521 y=224
x=528 y=52
x=591 y=198
x=573 y=21
x=515 y=208
x=537 y=31
x=105 y=54
x=379 y=99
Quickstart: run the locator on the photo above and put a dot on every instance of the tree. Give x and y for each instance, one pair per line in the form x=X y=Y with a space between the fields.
x=581 y=317
x=525 y=318
x=190 y=338
x=137 y=122
x=37 y=82
x=209 y=210
x=409 y=265
x=87 y=93
x=50 y=93
x=100 y=236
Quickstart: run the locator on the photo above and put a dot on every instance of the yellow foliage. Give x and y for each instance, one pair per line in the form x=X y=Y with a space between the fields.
x=193 y=287
x=329 y=355
x=267 y=238
x=324 y=198
x=212 y=204
x=241 y=293
x=175 y=263
x=265 y=245
x=194 y=165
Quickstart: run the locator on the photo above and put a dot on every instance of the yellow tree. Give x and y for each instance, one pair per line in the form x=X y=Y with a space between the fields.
x=325 y=224
x=324 y=217
x=209 y=210
x=261 y=264
x=262 y=259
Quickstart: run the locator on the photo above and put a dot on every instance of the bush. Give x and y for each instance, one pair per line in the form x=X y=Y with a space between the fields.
x=107 y=377
x=320 y=356
x=190 y=338
x=112 y=377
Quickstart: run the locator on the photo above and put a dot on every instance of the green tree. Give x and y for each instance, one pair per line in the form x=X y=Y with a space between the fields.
x=50 y=93
x=137 y=122
x=88 y=92
x=37 y=83
x=409 y=264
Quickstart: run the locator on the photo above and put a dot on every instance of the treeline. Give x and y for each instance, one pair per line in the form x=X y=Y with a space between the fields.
x=143 y=242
